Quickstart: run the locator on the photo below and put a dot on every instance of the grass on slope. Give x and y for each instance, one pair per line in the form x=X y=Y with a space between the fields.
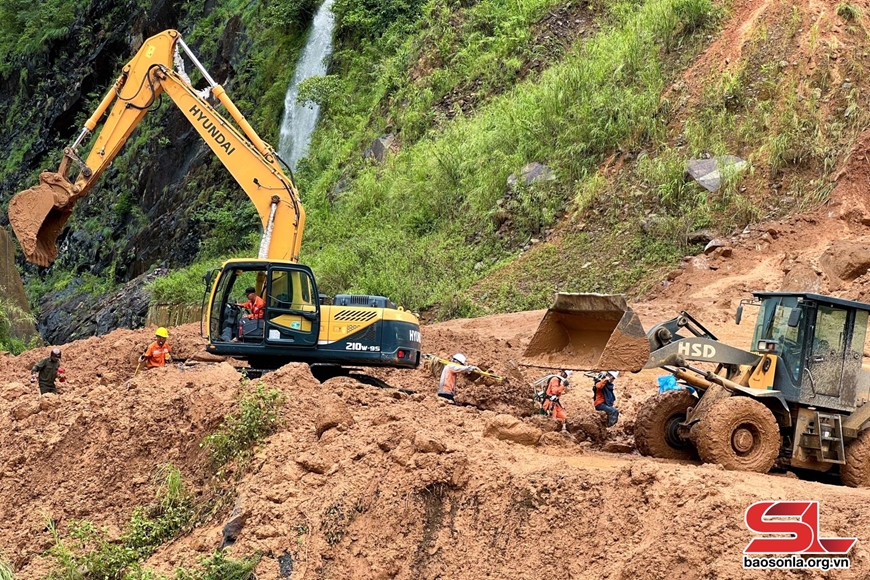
x=423 y=228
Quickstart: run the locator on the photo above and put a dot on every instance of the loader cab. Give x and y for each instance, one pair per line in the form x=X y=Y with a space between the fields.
x=819 y=341
x=284 y=309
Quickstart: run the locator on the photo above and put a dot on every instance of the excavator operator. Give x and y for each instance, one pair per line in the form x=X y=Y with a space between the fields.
x=255 y=304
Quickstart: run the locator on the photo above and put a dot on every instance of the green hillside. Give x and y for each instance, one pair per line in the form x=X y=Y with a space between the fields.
x=610 y=97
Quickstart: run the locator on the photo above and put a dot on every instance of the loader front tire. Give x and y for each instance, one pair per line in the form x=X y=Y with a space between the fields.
x=739 y=434
x=856 y=471
x=655 y=431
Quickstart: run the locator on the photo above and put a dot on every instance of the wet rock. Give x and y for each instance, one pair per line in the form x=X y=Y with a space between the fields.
x=74 y=312
x=714 y=244
x=509 y=428
x=233 y=527
x=380 y=147
x=332 y=414
x=285 y=564
x=614 y=447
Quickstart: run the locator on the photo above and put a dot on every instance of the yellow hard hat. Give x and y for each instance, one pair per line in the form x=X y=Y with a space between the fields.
x=162 y=332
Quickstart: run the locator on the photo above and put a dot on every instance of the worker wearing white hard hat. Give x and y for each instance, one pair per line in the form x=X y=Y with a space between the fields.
x=447 y=384
x=605 y=396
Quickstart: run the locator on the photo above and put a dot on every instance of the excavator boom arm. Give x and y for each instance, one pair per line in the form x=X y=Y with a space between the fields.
x=38 y=214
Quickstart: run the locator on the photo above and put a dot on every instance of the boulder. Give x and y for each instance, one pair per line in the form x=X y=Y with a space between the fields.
x=591 y=426
x=844 y=260
x=509 y=428
x=531 y=173
x=331 y=414
x=801 y=278
x=380 y=147
x=613 y=447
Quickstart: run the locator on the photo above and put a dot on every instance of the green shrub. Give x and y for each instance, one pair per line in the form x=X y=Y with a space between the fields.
x=257 y=417
x=219 y=567
x=89 y=554
x=11 y=314
x=848 y=12
x=6 y=571
x=291 y=14
x=360 y=19
x=184 y=286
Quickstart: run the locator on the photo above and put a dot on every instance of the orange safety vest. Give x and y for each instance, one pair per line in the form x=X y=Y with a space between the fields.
x=257 y=308
x=155 y=356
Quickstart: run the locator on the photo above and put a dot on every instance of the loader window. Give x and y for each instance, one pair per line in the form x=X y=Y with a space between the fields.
x=827 y=351
x=773 y=321
x=772 y=325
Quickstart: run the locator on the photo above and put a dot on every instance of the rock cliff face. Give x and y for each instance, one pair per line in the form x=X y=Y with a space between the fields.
x=11 y=288
x=74 y=313
x=145 y=211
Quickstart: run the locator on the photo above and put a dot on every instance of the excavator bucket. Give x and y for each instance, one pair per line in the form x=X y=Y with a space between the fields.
x=590 y=332
x=38 y=215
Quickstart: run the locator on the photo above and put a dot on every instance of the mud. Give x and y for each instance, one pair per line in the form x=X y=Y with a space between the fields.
x=589 y=332
x=399 y=486
x=37 y=216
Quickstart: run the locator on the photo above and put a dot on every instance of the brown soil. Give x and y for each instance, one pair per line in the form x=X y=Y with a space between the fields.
x=410 y=489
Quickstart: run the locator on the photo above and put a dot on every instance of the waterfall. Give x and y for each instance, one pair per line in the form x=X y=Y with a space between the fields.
x=299 y=120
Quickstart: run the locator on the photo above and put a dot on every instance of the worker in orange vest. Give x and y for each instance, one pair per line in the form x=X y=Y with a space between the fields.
x=158 y=353
x=447 y=384
x=605 y=397
x=556 y=388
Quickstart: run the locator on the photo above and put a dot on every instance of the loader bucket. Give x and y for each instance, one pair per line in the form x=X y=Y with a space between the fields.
x=38 y=215
x=590 y=332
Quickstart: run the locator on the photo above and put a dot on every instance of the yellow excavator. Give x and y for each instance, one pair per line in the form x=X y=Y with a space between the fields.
x=289 y=320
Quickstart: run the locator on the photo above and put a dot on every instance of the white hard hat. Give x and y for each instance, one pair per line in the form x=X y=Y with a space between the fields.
x=613 y=374
x=459 y=357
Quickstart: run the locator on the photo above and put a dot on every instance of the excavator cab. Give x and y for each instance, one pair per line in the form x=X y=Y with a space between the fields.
x=295 y=324
x=290 y=312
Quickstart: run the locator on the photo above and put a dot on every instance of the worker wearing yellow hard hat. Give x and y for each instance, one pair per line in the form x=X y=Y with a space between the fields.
x=158 y=353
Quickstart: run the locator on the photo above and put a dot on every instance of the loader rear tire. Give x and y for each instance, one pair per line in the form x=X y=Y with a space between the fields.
x=739 y=434
x=655 y=431
x=856 y=471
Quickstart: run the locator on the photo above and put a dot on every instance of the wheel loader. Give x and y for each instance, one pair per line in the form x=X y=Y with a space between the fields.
x=797 y=397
